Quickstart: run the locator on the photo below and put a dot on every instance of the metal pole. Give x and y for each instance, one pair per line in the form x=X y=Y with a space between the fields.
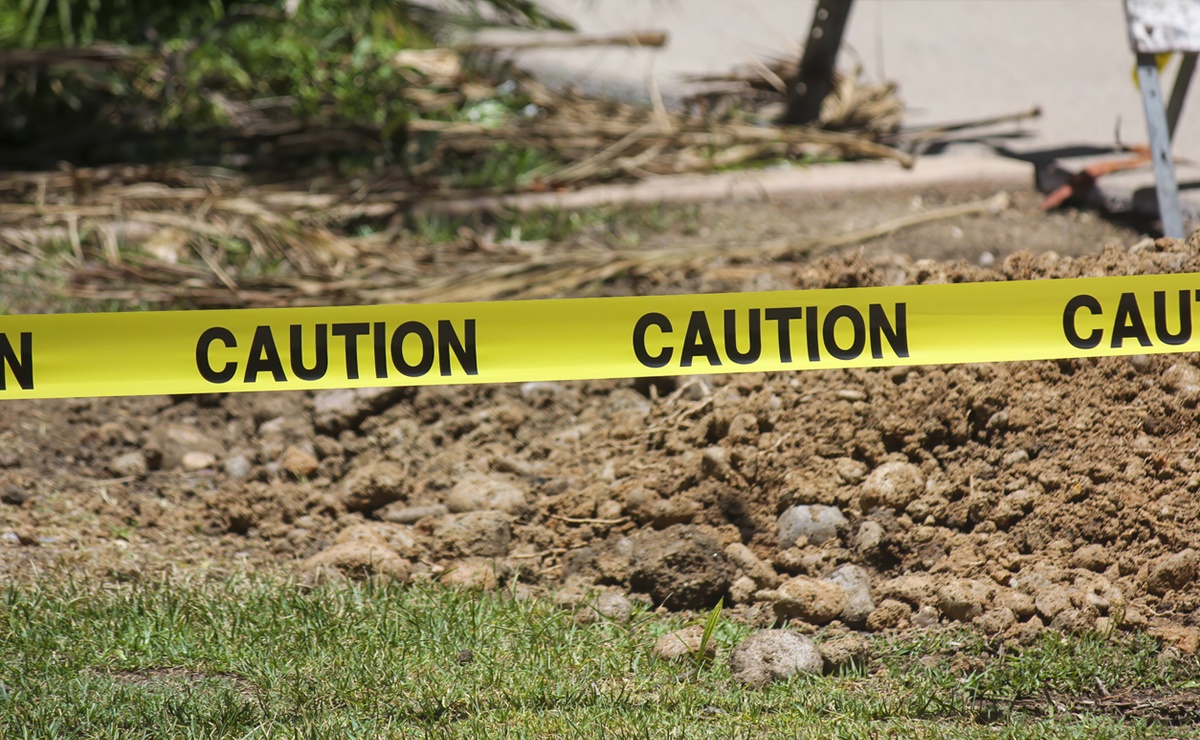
x=814 y=79
x=1160 y=147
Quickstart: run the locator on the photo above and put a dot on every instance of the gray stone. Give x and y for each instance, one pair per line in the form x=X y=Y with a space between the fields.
x=131 y=464
x=856 y=582
x=817 y=522
x=344 y=408
x=237 y=467
x=409 y=514
x=774 y=655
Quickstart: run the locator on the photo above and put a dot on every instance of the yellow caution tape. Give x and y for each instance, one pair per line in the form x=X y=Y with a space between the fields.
x=64 y=355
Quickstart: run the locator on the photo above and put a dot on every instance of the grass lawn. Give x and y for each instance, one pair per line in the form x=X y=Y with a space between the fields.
x=265 y=658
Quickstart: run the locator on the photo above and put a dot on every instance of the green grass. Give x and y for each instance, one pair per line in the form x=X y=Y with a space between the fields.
x=267 y=659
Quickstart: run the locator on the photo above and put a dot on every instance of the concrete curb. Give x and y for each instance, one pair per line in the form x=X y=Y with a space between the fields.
x=760 y=185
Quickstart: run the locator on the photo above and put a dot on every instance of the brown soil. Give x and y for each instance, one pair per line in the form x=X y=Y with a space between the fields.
x=1014 y=495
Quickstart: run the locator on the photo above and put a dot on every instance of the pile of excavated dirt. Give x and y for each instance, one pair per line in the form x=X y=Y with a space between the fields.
x=1016 y=497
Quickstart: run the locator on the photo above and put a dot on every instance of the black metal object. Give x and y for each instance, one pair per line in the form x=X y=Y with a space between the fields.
x=814 y=80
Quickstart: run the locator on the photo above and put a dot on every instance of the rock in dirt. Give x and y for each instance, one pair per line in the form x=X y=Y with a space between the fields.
x=1183 y=379
x=1076 y=621
x=915 y=589
x=610 y=606
x=759 y=571
x=680 y=567
x=1092 y=557
x=683 y=643
x=238 y=467
x=336 y=410
x=476 y=574
x=410 y=514
x=477 y=492
x=373 y=486
x=963 y=599
x=815 y=521
x=774 y=655
x=646 y=507
x=890 y=614
x=14 y=495
x=1185 y=639
x=996 y=621
x=480 y=533
x=894 y=485
x=130 y=465
x=168 y=444
x=196 y=460
x=856 y=583
x=743 y=590
x=298 y=462
x=357 y=559
x=925 y=617
x=1173 y=573
x=847 y=653
x=807 y=599
x=1050 y=600
x=869 y=537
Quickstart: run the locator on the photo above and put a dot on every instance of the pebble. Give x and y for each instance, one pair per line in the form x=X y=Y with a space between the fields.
x=335 y=410
x=856 y=583
x=890 y=614
x=808 y=599
x=298 y=462
x=743 y=590
x=238 y=467
x=1182 y=378
x=129 y=465
x=683 y=643
x=964 y=599
x=774 y=655
x=869 y=537
x=410 y=514
x=197 y=460
x=926 y=616
x=817 y=522
x=894 y=485
x=612 y=606
x=171 y=443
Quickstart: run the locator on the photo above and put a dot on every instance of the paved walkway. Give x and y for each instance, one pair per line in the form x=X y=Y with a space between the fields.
x=953 y=59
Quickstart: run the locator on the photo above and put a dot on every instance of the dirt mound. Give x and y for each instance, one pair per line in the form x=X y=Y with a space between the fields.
x=1014 y=496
